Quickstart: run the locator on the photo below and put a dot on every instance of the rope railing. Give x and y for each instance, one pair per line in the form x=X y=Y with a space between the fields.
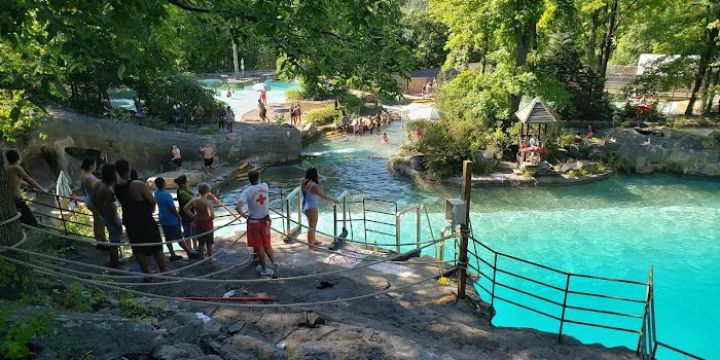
x=204 y=279
x=488 y=281
x=41 y=270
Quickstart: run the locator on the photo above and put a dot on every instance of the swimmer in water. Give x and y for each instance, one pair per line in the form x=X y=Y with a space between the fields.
x=384 y=138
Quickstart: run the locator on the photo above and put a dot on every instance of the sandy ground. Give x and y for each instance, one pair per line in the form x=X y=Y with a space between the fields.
x=420 y=322
x=283 y=108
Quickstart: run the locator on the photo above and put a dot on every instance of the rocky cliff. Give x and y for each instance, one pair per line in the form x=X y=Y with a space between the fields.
x=646 y=154
x=69 y=135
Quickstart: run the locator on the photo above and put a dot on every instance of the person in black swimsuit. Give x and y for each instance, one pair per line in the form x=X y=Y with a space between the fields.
x=138 y=205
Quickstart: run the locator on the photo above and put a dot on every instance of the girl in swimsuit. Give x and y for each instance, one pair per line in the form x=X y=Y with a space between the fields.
x=89 y=181
x=310 y=189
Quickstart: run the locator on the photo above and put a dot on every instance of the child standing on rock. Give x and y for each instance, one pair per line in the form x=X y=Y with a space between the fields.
x=201 y=211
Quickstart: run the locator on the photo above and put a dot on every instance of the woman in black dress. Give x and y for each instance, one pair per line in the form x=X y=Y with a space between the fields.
x=138 y=205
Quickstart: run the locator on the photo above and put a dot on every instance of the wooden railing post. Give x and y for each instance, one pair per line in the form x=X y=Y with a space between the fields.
x=464 y=230
x=562 y=316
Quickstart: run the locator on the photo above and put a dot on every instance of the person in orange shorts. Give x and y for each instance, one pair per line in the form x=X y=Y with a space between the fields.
x=258 y=224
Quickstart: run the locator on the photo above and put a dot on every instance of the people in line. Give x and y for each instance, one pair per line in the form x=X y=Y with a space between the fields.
x=176 y=157
x=16 y=176
x=311 y=191
x=170 y=220
x=138 y=205
x=208 y=154
x=103 y=199
x=88 y=182
x=139 y=110
x=256 y=197
x=229 y=119
x=198 y=114
x=184 y=196
x=295 y=114
x=177 y=114
x=201 y=211
x=220 y=117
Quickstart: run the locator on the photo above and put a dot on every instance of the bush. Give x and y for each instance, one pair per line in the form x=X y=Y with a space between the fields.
x=295 y=95
x=160 y=95
x=629 y=115
x=14 y=343
x=323 y=116
x=79 y=298
x=133 y=308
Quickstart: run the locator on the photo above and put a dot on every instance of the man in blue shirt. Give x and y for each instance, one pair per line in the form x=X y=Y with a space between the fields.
x=169 y=219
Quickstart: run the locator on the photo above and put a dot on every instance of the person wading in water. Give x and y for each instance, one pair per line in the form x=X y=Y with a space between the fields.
x=138 y=205
x=310 y=187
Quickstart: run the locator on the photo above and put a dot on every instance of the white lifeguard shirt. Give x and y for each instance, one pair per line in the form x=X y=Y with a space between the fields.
x=257 y=200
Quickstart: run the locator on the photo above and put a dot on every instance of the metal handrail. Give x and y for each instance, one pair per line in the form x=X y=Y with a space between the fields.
x=647 y=344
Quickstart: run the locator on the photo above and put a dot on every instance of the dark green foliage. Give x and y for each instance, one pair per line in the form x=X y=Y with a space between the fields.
x=165 y=91
x=323 y=116
x=576 y=90
x=630 y=115
x=426 y=37
x=14 y=341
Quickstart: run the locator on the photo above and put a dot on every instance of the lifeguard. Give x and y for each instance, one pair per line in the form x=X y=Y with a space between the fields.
x=258 y=224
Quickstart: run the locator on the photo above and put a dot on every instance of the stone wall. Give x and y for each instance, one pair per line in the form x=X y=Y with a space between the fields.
x=147 y=149
x=646 y=154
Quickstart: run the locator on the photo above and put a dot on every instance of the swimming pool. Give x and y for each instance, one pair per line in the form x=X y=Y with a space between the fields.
x=615 y=228
x=244 y=98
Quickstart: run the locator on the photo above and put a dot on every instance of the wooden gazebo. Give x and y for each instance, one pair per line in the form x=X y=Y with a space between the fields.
x=534 y=118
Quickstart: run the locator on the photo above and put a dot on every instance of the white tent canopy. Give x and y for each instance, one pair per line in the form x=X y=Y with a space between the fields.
x=416 y=111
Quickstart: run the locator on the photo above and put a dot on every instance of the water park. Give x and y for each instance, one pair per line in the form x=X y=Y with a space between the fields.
x=420 y=179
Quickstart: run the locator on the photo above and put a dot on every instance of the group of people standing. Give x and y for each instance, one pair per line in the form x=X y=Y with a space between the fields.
x=193 y=217
x=428 y=89
x=295 y=114
x=225 y=119
x=119 y=182
x=361 y=125
x=208 y=154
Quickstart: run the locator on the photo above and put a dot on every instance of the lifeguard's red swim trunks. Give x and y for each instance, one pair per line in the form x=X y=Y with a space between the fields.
x=258 y=233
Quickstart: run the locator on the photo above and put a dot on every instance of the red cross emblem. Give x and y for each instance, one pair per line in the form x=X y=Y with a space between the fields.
x=260 y=199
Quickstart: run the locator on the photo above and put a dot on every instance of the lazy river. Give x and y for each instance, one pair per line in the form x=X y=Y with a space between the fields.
x=615 y=228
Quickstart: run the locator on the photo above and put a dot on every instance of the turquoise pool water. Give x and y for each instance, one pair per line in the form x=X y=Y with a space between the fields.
x=244 y=99
x=616 y=228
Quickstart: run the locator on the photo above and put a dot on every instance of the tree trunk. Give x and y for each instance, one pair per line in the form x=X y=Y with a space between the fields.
x=607 y=44
x=705 y=57
x=592 y=40
x=9 y=233
x=524 y=46
x=236 y=62
x=711 y=95
x=704 y=88
x=484 y=51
